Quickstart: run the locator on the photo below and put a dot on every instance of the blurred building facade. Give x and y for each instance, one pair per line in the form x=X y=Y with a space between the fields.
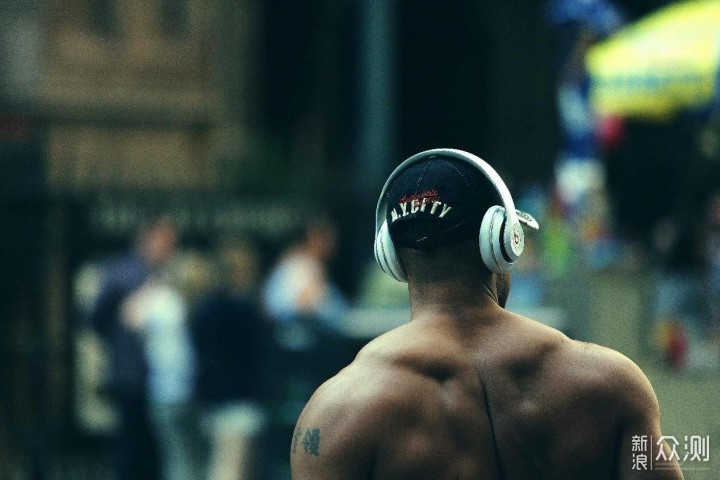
x=108 y=110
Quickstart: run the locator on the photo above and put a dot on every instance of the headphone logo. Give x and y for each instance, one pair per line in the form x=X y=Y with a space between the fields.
x=517 y=240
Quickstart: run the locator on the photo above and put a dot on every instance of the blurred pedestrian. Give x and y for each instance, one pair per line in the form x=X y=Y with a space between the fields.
x=299 y=288
x=678 y=303
x=134 y=451
x=227 y=330
x=712 y=246
x=159 y=311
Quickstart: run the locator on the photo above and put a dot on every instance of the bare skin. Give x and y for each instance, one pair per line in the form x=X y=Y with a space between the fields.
x=468 y=390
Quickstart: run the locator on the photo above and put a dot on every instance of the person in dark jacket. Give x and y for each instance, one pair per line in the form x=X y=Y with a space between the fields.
x=134 y=449
x=226 y=327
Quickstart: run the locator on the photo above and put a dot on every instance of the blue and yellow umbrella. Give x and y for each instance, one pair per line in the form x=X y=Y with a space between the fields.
x=664 y=63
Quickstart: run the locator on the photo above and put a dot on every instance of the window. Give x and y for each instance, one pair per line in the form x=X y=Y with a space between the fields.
x=174 y=17
x=102 y=16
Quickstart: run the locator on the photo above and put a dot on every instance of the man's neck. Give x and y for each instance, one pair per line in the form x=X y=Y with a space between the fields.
x=451 y=297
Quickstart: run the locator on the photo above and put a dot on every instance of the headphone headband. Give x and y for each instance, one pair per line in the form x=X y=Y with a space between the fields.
x=479 y=163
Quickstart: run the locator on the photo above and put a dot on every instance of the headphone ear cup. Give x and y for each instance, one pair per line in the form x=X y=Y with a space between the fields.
x=491 y=240
x=386 y=256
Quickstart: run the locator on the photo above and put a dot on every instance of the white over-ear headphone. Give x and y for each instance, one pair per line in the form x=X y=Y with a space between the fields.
x=501 y=236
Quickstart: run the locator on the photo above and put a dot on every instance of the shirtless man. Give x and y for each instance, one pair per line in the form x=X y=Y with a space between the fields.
x=468 y=390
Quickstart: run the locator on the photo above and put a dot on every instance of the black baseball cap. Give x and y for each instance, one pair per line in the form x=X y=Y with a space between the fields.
x=438 y=201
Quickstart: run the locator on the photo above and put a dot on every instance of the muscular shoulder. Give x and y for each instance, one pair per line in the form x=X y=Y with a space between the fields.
x=380 y=380
x=580 y=375
x=577 y=364
x=351 y=415
x=609 y=375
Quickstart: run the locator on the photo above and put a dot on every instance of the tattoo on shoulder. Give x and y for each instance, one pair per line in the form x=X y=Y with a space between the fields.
x=306 y=440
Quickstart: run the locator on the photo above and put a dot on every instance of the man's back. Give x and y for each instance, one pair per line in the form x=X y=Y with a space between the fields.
x=454 y=396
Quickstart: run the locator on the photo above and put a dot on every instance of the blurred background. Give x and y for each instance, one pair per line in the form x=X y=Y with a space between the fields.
x=187 y=195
